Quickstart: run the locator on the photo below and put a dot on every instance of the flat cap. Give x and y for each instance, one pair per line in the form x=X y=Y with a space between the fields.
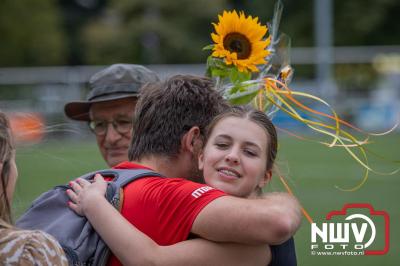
x=114 y=82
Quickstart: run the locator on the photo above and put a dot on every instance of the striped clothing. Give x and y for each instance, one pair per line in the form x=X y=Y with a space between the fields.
x=23 y=247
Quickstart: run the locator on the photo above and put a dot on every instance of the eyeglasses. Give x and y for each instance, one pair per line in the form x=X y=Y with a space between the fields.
x=122 y=126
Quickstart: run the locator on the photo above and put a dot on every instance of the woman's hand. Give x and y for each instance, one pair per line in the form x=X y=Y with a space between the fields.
x=84 y=195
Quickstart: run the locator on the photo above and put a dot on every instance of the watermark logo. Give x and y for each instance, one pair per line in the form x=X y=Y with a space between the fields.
x=353 y=230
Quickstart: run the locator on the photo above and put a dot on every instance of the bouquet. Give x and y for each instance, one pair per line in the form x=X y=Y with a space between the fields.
x=250 y=64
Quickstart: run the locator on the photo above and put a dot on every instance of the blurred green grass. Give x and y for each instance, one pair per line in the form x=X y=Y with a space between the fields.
x=312 y=171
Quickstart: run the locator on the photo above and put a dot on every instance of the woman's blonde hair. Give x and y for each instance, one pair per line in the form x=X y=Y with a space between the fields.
x=6 y=150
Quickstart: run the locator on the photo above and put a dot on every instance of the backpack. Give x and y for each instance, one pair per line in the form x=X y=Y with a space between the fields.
x=81 y=243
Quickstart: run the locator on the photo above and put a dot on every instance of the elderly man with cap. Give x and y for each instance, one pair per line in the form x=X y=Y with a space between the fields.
x=109 y=108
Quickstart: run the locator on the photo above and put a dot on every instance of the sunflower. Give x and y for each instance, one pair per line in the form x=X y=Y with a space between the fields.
x=239 y=40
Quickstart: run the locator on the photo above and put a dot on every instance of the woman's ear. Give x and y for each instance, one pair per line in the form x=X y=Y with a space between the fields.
x=265 y=179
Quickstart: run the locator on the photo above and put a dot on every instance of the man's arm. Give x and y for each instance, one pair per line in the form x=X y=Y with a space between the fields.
x=272 y=219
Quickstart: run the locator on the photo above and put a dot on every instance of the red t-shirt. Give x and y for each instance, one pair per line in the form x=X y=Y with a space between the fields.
x=164 y=208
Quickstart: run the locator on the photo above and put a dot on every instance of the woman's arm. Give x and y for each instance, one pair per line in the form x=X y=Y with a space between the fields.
x=132 y=247
x=272 y=219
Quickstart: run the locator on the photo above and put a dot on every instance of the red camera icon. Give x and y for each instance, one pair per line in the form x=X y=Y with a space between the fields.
x=372 y=212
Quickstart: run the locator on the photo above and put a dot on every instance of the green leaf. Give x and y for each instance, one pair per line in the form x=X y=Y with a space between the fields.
x=237 y=77
x=209 y=61
x=235 y=89
x=222 y=73
x=215 y=62
x=244 y=76
x=208 y=66
x=233 y=76
x=217 y=68
x=208 y=72
x=208 y=47
x=244 y=99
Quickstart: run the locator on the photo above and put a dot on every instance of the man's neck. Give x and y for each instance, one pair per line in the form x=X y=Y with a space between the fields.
x=162 y=165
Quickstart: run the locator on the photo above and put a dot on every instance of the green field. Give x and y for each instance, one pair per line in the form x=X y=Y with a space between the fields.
x=313 y=173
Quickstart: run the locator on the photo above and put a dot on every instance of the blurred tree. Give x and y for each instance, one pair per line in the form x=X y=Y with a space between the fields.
x=296 y=20
x=56 y=32
x=356 y=22
x=151 y=31
x=30 y=33
x=76 y=14
x=367 y=22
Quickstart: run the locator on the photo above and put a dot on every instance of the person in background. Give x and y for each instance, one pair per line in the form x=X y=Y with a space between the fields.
x=109 y=108
x=20 y=247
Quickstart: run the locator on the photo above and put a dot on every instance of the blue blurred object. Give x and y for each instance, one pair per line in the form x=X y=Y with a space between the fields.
x=283 y=120
x=377 y=116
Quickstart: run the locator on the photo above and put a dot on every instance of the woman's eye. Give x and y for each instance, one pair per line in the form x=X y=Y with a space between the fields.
x=250 y=153
x=221 y=145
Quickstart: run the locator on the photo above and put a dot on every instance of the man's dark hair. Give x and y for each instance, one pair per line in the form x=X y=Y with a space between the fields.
x=167 y=110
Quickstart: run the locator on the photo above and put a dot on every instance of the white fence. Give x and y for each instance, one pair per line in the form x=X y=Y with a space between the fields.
x=52 y=87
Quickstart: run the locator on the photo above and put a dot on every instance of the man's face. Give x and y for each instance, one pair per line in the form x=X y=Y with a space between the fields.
x=111 y=118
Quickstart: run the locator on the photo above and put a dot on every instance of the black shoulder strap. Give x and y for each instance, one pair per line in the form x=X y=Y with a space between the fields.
x=122 y=177
x=125 y=176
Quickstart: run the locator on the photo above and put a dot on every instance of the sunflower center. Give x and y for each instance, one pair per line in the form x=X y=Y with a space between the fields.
x=239 y=44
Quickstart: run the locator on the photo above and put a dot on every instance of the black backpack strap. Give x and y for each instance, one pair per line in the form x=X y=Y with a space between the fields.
x=121 y=177
x=114 y=195
x=104 y=172
x=125 y=176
